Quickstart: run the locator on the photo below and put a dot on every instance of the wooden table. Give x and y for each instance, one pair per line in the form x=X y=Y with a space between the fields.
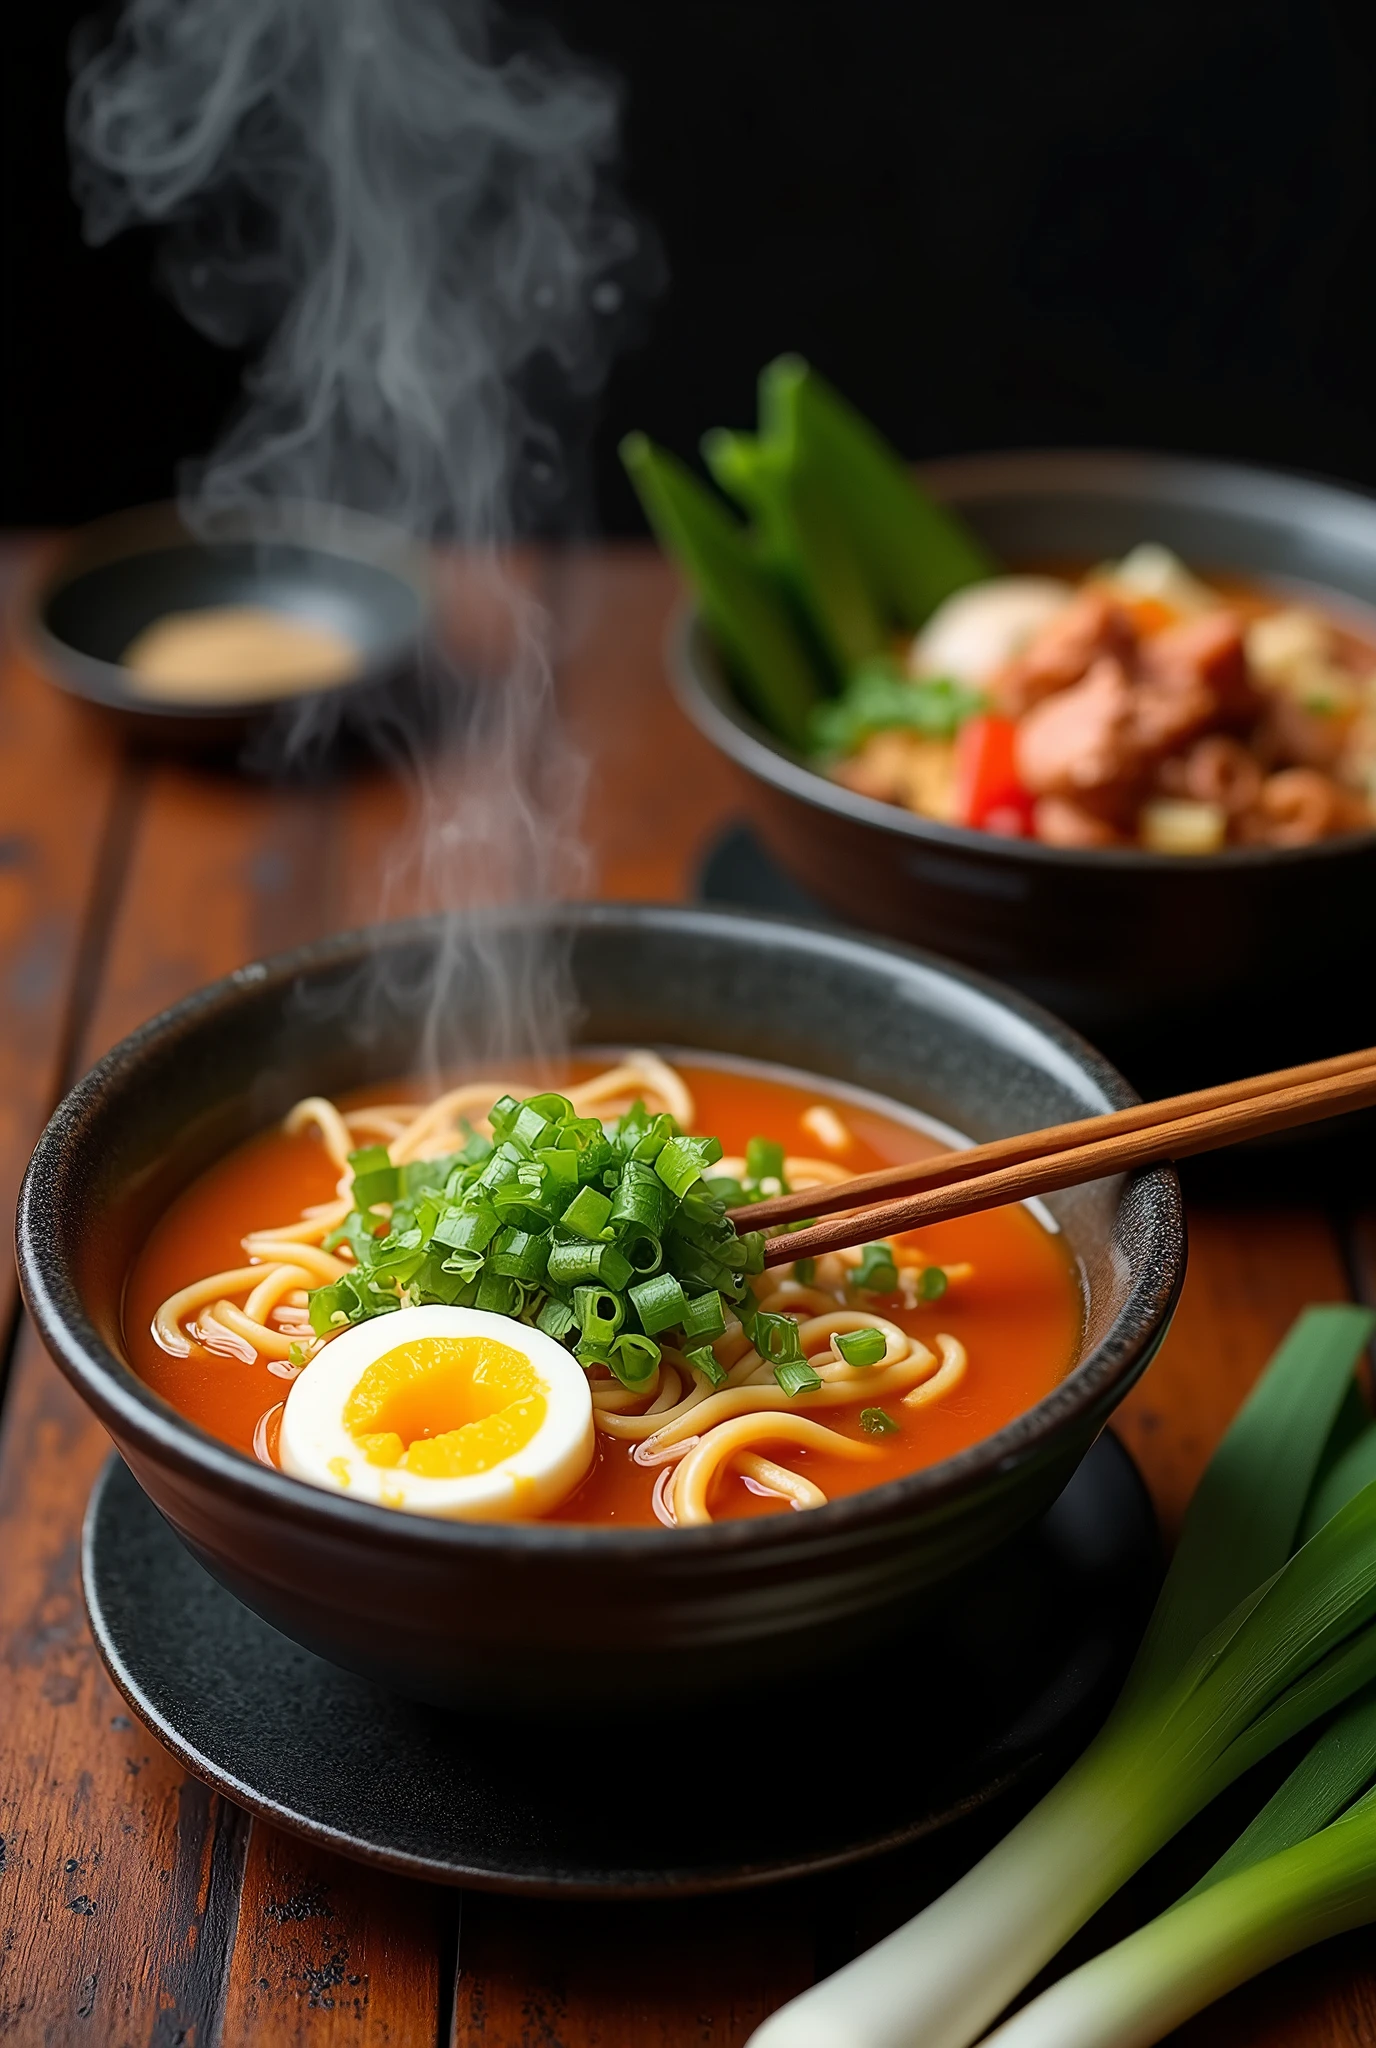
x=137 y=1907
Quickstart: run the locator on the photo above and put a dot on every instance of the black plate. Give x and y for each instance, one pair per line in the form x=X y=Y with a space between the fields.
x=1007 y=1681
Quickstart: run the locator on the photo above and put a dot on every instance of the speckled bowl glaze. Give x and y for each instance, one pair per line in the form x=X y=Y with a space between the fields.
x=537 y=1618
x=1171 y=964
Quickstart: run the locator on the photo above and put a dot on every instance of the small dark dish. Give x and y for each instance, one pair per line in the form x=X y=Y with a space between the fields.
x=365 y=580
x=1186 y=970
x=538 y=1617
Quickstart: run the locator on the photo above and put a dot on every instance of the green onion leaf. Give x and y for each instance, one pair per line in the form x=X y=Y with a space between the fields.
x=556 y=1319
x=587 y=1213
x=776 y=1337
x=571 y=1264
x=704 y=1316
x=375 y=1178
x=682 y=1161
x=764 y=1159
x=876 y=1271
x=704 y=1358
x=796 y=1376
x=805 y=1271
x=861 y=1347
x=931 y=1283
x=633 y=1358
x=876 y=1422
x=659 y=1302
x=599 y=1313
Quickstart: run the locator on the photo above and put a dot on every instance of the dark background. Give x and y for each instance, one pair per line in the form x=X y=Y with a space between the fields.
x=1150 y=224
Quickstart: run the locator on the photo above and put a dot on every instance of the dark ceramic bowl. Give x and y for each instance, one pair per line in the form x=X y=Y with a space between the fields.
x=321 y=565
x=541 y=1618
x=1185 y=970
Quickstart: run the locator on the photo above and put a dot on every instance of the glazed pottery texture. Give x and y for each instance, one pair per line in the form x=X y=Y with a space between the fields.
x=539 y=1618
x=1171 y=964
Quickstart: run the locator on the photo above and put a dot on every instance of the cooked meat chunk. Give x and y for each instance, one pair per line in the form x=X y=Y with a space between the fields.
x=1217 y=770
x=1084 y=739
x=1299 y=805
x=1059 y=822
x=1091 y=625
x=1192 y=677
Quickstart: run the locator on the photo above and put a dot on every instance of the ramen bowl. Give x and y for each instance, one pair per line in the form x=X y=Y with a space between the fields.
x=550 y=1619
x=1170 y=963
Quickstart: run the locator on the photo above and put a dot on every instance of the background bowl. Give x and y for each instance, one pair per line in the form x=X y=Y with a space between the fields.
x=542 y=1618
x=1185 y=970
x=323 y=566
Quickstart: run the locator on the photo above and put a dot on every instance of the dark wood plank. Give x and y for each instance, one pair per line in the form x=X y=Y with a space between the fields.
x=217 y=871
x=663 y=1976
x=59 y=815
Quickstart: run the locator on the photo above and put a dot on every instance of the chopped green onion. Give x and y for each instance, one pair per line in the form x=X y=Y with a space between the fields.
x=556 y=1319
x=775 y=1337
x=599 y=1313
x=764 y=1159
x=375 y=1179
x=633 y=1358
x=876 y=1422
x=682 y=1160
x=931 y=1283
x=643 y=1249
x=659 y=1302
x=805 y=1271
x=704 y=1316
x=587 y=1213
x=861 y=1347
x=497 y=1293
x=705 y=1359
x=570 y=1264
x=796 y=1376
x=876 y=1271
x=296 y=1357
x=641 y=1198
x=519 y=1254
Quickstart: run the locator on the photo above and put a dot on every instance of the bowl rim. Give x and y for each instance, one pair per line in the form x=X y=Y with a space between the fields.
x=132 y=1411
x=1281 y=497
x=333 y=531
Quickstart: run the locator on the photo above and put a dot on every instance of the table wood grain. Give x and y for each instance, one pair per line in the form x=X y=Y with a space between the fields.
x=138 y=1907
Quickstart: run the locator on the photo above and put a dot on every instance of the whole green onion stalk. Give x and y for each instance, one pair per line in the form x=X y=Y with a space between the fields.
x=1305 y=1869
x=1251 y=1641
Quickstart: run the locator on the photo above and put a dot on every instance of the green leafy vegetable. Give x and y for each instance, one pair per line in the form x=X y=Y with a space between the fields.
x=741 y=601
x=877 y=698
x=877 y=1422
x=911 y=550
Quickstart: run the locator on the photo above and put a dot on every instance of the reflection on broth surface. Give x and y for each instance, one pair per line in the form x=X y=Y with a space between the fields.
x=864 y=1366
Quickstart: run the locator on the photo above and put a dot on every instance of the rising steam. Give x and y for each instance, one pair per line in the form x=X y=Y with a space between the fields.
x=411 y=217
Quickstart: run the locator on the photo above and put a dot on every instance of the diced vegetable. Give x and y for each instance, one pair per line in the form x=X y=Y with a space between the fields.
x=988 y=788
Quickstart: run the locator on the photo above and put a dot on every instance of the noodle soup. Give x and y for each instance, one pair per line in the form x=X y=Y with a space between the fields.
x=821 y=1380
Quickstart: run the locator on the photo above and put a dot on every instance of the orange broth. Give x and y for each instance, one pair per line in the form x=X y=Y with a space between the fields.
x=1019 y=1315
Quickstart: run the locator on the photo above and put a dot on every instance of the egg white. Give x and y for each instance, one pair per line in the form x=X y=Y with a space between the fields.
x=315 y=1444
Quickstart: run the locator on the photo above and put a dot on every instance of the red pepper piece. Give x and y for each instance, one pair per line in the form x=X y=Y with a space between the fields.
x=989 y=794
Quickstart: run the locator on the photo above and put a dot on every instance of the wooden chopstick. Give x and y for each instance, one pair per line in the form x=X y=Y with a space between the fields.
x=1174 y=1137
x=946 y=1168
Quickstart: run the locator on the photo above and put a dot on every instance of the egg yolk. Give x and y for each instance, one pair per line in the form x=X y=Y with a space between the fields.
x=446 y=1407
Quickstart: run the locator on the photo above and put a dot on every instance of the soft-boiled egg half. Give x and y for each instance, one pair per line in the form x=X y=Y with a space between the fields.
x=442 y=1411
